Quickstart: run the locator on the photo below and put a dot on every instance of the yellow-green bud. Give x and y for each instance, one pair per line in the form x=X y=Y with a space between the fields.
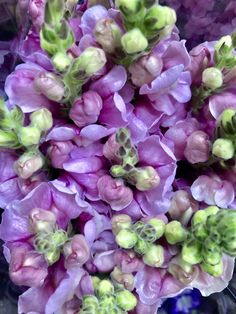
x=29 y=135
x=42 y=119
x=215 y=270
x=8 y=139
x=223 y=148
x=154 y=256
x=126 y=300
x=191 y=252
x=126 y=238
x=134 y=41
x=58 y=238
x=96 y=282
x=129 y=7
x=120 y=222
x=52 y=256
x=212 y=78
x=227 y=121
x=142 y=246
x=225 y=43
x=175 y=233
x=158 y=17
x=158 y=225
x=61 y=61
x=211 y=210
x=105 y=287
x=211 y=252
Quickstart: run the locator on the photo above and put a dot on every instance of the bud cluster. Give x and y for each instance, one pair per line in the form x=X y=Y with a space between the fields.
x=107 y=296
x=224 y=145
x=48 y=238
x=141 y=237
x=211 y=234
x=143 y=178
x=224 y=55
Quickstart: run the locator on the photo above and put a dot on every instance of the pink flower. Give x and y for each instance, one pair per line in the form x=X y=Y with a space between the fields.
x=114 y=192
x=86 y=109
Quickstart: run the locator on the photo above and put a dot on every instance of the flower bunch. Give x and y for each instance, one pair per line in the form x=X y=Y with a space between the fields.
x=117 y=159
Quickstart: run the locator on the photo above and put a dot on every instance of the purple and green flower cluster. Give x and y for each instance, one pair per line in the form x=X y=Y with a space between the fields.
x=118 y=158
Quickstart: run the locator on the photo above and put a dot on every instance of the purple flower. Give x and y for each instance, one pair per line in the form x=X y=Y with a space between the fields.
x=86 y=109
x=213 y=191
x=36 y=12
x=197 y=148
x=27 y=267
x=59 y=152
x=114 y=192
x=76 y=252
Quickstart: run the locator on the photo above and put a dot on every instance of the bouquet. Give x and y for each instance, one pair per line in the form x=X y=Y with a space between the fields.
x=117 y=156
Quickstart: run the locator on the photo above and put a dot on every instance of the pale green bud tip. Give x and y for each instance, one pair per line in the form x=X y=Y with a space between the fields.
x=59 y=238
x=126 y=238
x=154 y=256
x=223 y=148
x=96 y=282
x=61 y=61
x=191 y=253
x=105 y=287
x=175 y=233
x=158 y=17
x=42 y=119
x=227 y=116
x=212 y=78
x=134 y=41
x=216 y=270
x=8 y=139
x=129 y=7
x=158 y=225
x=117 y=171
x=225 y=41
x=145 y=178
x=29 y=135
x=52 y=256
x=142 y=246
x=199 y=217
x=90 y=299
x=211 y=210
x=91 y=60
x=126 y=300
x=120 y=222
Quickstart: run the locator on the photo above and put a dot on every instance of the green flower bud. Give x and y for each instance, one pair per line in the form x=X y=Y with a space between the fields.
x=10 y=119
x=200 y=232
x=126 y=300
x=141 y=247
x=126 y=238
x=212 y=78
x=216 y=270
x=154 y=256
x=89 y=62
x=48 y=40
x=29 y=135
x=58 y=238
x=191 y=252
x=54 y=11
x=175 y=233
x=61 y=61
x=224 y=45
x=9 y=139
x=199 y=217
x=96 y=282
x=144 y=178
x=122 y=136
x=211 y=210
x=229 y=244
x=158 y=17
x=52 y=256
x=134 y=41
x=120 y=222
x=228 y=121
x=130 y=7
x=105 y=287
x=118 y=171
x=41 y=119
x=90 y=305
x=223 y=148
x=211 y=252
x=158 y=225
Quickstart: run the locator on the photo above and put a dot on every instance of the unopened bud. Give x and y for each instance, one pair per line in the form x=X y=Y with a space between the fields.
x=134 y=41
x=158 y=225
x=42 y=119
x=120 y=222
x=52 y=256
x=129 y=7
x=29 y=135
x=215 y=270
x=28 y=164
x=122 y=280
x=105 y=287
x=224 y=45
x=61 y=61
x=126 y=300
x=90 y=62
x=126 y=238
x=50 y=86
x=175 y=233
x=154 y=256
x=211 y=252
x=144 y=178
x=197 y=148
x=223 y=148
x=158 y=17
x=108 y=34
x=9 y=139
x=142 y=246
x=212 y=78
x=191 y=252
x=228 y=122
